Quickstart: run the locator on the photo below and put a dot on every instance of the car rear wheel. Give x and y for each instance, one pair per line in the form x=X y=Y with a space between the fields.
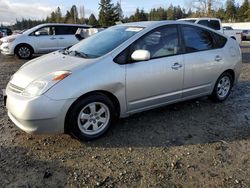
x=91 y=117
x=222 y=87
x=24 y=52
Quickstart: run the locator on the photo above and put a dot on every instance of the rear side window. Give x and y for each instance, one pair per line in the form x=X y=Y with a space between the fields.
x=66 y=30
x=220 y=41
x=214 y=24
x=197 y=39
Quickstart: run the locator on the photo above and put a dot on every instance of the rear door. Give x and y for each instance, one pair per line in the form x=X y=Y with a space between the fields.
x=66 y=36
x=203 y=61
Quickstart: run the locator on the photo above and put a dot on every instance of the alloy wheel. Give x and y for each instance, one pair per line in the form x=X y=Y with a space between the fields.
x=93 y=118
x=223 y=86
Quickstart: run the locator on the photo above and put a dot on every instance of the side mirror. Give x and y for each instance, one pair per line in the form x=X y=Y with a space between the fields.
x=141 y=55
x=37 y=33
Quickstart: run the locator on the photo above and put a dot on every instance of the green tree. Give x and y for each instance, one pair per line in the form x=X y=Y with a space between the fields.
x=178 y=13
x=74 y=14
x=68 y=18
x=92 y=20
x=242 y=13
x=220 y=13
x=58 y=15
x=170 y=12
x=107 y=16
x=139 y=15
x=157 y=14
x=118 y=11
x=230 y=10
x=52 y=18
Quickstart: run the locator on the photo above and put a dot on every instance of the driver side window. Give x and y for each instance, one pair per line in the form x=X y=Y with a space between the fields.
x=46 y=31
x=161 y=42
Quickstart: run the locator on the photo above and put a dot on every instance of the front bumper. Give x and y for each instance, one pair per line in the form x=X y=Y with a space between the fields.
x=40 y=115
x=6 y=49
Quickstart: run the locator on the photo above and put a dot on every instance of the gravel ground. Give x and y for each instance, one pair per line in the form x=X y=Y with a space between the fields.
x=196 y=143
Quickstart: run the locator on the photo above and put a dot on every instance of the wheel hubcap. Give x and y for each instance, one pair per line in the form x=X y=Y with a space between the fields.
x=93 y=118
x=223 y=86
x=24 y=52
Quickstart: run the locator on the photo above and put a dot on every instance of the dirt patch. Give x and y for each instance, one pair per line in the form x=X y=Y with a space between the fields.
x=196 y=143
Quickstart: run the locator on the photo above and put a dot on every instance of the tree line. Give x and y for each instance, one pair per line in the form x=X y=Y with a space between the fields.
x=110 y=13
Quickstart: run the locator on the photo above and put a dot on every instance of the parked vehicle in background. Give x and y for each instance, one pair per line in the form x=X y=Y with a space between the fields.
x=246 y=35
x=5 y=31
x=215 y=24
x=41 y=39
x=85 y=33
x=125 y=69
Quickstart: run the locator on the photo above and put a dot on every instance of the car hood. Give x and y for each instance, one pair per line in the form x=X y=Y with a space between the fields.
x=46 y=65
x=5 y=39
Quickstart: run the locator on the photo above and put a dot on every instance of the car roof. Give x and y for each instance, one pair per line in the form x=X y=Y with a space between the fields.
x=202 y=18
x=154 y=24
x=146 y=24
x=62 y=24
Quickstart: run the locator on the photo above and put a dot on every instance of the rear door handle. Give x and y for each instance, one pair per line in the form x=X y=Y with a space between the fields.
x=52 y=38
x=218 y=58
x=61 y=38
x=176 y=66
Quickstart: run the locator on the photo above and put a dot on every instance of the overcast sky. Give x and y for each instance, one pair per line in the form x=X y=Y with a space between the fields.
x=10 y=10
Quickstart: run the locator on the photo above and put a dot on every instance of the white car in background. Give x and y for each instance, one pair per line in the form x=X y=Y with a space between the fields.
x=216 y=24
x=41 y=39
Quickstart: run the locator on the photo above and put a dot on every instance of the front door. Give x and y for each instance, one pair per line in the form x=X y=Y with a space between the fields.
x=44 y=40
x=159 y=80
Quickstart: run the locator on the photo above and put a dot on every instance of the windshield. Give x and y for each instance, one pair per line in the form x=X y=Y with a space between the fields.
x=104 y=41
x=31 y=30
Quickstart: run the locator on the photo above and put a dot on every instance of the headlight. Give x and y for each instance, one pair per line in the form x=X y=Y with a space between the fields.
x=8 y=40
x=39 y=87
x=34 y=89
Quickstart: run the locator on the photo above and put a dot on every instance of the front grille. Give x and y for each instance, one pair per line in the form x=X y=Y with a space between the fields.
x=15 y=88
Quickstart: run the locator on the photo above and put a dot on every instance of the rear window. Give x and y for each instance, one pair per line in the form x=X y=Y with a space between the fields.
x=66 y=30
x=220 y=41
x=214 y=24
x=197 y=39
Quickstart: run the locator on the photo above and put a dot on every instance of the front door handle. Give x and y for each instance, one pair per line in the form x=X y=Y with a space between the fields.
x=176 y=66
x=218 y=58
x=61 y=38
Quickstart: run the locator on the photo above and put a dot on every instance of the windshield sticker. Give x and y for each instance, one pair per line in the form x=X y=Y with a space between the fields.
x=134 y=29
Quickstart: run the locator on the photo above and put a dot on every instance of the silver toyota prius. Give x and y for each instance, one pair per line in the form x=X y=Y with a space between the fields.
x=120 y=71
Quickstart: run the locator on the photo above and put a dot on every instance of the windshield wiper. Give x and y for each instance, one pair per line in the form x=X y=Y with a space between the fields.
x=65 y=51
x=81 y=54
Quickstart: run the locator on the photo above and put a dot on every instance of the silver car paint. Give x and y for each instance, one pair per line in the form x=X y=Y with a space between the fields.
x=128 y=83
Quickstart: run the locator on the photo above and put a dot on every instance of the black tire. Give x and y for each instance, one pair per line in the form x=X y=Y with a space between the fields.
x=215 y=96
x=72 y=119
x=24 y=51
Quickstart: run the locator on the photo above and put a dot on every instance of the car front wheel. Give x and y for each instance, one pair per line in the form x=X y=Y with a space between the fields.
x=91 y=117
x=24 y=52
